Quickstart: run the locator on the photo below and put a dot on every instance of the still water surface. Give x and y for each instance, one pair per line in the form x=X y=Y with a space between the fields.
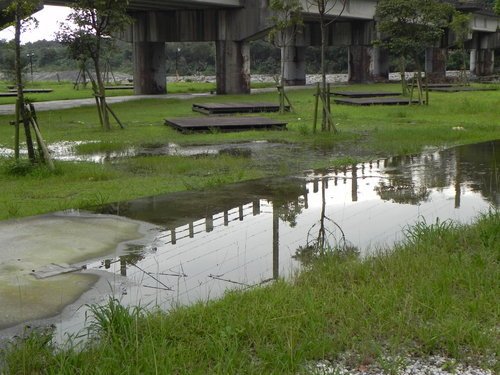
x=204 y=242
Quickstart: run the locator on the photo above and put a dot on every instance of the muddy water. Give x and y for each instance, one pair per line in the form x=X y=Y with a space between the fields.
x=241 y=235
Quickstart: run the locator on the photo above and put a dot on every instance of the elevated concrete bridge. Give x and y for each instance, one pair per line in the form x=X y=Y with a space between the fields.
x=231 y=24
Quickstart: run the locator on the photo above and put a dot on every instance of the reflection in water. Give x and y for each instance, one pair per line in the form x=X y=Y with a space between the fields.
x=249 y=233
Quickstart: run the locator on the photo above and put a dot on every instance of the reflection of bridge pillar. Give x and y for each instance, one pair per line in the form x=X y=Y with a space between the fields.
x=276 y=244
x=173 y=238
x=354 y=186
x=293 y=59
x=435 y=63
x=209 y=223
x=233 y=67
x=123 y=266
x=256 y=207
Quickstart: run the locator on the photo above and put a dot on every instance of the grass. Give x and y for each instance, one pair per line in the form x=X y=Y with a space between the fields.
x=437 y=293
x=65 y=90
x=365 y=133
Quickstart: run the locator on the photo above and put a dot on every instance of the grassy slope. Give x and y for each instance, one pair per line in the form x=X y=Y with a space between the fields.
x=435 y=295
x=365 y=132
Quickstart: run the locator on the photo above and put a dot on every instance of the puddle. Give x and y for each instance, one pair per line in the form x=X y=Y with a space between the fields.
x=250 y=233
x=257 y=150
x=39 y=255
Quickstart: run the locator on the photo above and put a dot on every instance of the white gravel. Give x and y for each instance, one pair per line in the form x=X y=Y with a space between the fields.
x=434 y=365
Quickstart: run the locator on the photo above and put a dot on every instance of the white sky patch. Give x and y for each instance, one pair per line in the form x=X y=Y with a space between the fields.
x=49 y=19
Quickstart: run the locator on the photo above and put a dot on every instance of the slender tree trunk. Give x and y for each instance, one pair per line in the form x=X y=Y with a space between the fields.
x=20 y=106
x=324 y=118
x=101 y=92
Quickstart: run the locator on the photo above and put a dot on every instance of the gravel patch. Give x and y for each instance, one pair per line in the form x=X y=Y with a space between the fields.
x=434 y=365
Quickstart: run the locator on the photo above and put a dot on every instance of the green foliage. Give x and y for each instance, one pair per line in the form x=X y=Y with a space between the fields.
x=408 y=27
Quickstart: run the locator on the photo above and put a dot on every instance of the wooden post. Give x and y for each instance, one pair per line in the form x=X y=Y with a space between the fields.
x=316 y=105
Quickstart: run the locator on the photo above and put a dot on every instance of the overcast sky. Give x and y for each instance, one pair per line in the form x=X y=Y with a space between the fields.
x=48 y=18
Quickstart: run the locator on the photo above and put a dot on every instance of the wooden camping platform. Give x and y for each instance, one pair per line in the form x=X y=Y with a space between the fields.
x=460 y=89
x=229 y=108
x=194 y=124
x=374 y=101
x=8 y=94
x=364 y=94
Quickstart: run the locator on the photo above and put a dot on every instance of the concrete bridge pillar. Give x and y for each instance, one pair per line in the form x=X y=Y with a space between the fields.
x=150 y=73
x=380 y=64
x=233 y=67
x=294 y=65
x=435 y=64
x=482 y=62
x=366 y=62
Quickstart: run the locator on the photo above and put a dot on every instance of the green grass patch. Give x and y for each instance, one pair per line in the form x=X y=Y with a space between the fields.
x=435 y=294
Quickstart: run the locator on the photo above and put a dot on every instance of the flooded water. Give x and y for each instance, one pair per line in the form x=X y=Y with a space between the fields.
x=204 y=242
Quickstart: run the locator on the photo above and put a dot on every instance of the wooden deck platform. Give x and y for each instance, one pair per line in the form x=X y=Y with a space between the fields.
x=460 y=89
x=364 y=94
x=374 y=101
x=229 y=108
x=224 y=123
x=123 y=87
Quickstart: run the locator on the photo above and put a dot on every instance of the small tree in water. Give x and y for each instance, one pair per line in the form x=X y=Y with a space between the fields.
x=409 y=27
x=96 y=21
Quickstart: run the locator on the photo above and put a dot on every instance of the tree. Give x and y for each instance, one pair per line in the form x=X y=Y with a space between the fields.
x=497 y=7
x=328 y=11
x=460 y=25
x=408 y=27
x=20 y=11
x=287 y=20
x=96 y=22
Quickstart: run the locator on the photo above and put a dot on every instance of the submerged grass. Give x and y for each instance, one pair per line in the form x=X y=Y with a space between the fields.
x=435 y=294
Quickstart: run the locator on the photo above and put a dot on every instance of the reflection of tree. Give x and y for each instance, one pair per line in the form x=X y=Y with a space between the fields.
x=324 y=236
x=400 y=191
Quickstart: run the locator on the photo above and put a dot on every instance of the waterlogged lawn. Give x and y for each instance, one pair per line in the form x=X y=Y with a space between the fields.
x=365 y=132
x=435 y=294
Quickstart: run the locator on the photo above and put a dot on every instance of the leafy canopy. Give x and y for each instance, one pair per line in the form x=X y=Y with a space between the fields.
x=408 y=27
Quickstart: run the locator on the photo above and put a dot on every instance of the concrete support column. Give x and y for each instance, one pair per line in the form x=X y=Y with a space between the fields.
x=150 y=73
x=380 y=64
x=233 y=67
x=294 y=69
x=435 y=64
x=359 y=61
x=482 y=62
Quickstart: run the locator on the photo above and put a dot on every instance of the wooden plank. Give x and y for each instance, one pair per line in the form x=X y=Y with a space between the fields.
x=228 y=108
x=33 y=91
x=460 y=89
x=374 y=101
x=224 y=123
x=364 y=94
x=123 y=87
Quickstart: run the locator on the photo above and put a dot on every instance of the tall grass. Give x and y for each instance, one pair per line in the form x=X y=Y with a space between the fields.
x=435 y=294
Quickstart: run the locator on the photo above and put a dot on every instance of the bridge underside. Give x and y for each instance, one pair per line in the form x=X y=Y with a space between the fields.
x=231 y=24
